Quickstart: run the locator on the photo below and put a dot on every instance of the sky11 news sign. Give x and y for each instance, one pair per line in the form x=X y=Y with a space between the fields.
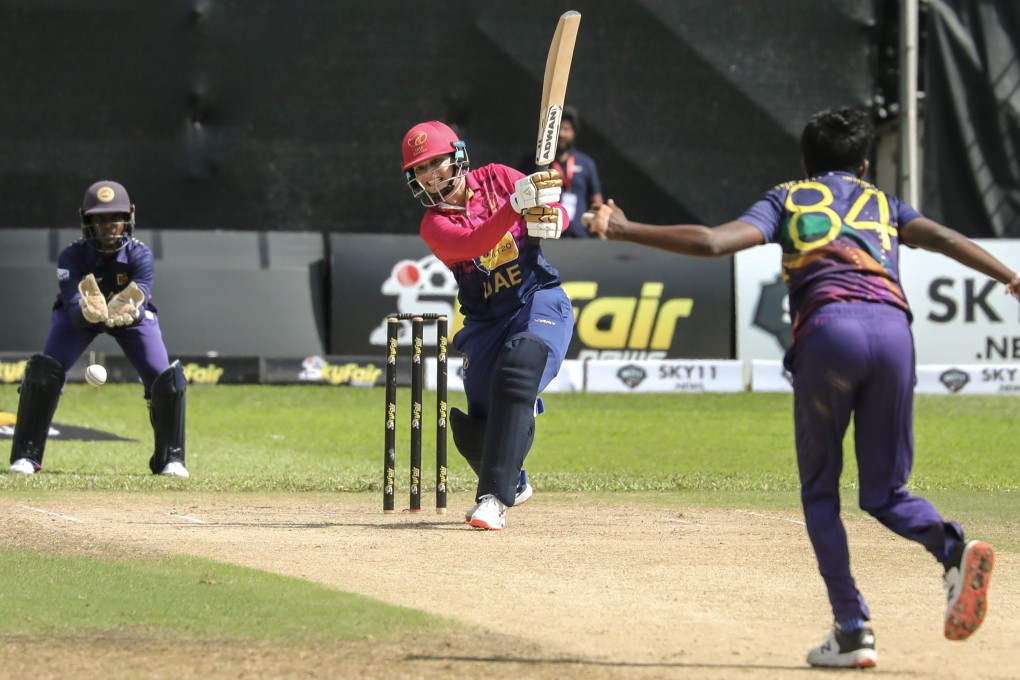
x=960 y=316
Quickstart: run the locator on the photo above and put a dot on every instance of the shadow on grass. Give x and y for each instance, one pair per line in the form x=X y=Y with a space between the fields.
x=438 y=524
x=606 y=664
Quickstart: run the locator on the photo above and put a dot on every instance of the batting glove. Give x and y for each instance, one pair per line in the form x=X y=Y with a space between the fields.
x=92 y=302
x=126 y=306
x=544 y=222
x=533 y=191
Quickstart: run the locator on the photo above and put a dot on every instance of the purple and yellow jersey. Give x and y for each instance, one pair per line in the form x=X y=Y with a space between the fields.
x=486 y=246
x=134 y=262
x=840 y=238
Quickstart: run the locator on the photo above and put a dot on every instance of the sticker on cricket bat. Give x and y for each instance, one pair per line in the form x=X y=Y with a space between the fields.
x=554 y=87
x=550 y=135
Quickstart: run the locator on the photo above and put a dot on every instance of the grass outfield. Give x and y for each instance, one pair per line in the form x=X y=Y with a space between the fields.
x=711 y=450
x=315 y=438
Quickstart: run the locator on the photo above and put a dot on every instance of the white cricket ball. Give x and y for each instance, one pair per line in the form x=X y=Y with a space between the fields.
x=95 y=375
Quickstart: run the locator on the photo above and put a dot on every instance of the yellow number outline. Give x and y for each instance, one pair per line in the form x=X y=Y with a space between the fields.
x=882 y=226
x=822 y=207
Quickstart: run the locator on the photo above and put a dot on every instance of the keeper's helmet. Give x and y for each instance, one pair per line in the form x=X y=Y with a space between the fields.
x=107 y=198
x=424 y=142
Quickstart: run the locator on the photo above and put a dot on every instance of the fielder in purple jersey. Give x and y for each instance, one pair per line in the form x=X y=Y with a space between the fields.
x=852 y=356
x=486 y=225
x=105 y=282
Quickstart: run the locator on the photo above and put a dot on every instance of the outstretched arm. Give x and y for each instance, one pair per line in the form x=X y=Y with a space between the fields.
x=687 y=239
x=930 y=235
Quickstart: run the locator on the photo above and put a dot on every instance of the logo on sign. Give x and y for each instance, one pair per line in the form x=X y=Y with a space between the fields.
x=424 y=286
x=954 y=379
x=625 y=328
x=317 y=369
x=632 y=375
x=203 y=375
x=772 y=314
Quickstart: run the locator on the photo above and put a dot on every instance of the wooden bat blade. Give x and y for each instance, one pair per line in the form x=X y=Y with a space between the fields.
x=554 y=86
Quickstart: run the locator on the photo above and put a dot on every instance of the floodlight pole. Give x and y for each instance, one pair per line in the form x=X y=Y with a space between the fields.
x=909 y=179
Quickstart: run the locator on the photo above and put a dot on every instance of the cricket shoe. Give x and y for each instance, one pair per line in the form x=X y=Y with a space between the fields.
x=855 y=649
x=24 y=466
x=490 y=514
x=524 y=492
x=968 y=573
x=175 y=468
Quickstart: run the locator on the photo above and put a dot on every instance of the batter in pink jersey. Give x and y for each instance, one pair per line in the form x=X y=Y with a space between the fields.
x=487 y=226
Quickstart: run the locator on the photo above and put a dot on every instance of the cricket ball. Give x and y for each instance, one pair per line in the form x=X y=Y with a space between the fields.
x=95 y=375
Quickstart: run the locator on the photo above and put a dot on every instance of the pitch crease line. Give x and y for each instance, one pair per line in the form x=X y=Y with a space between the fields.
x=781 y=519
x=190 y=519
x=52 y=514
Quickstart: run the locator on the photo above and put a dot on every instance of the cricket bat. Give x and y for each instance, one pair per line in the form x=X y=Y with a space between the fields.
x=554 y=87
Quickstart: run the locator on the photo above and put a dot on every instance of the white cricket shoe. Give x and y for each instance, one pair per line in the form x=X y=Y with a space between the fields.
x=855 y=649
x=22 y=466
x=524 y=492
x=175 y=469
x=490 y=514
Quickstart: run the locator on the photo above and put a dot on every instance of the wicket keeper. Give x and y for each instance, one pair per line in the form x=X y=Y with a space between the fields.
x=105 y=279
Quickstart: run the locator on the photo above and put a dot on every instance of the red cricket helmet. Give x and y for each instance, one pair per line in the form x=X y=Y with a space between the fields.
x=424 y=142
x=428 y=140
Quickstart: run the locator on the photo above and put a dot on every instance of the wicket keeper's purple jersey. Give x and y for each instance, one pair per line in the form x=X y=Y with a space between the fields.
x=134 y=262
x=840 y=238
x=486 y=246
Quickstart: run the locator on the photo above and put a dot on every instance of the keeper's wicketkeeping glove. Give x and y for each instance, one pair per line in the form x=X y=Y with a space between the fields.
x=541 y=188
x=126 y=306
x=92 y=302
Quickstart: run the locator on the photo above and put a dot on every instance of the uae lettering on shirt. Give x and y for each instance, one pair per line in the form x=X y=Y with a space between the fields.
x=505 y=252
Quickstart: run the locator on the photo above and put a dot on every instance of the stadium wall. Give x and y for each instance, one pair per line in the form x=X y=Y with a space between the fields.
x=285 y=307
x=261 y=115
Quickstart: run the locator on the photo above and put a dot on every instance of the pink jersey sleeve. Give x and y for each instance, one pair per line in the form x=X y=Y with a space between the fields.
x=451 y=242
x=453 y=237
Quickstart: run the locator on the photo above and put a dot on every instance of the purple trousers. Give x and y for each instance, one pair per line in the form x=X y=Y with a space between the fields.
x=858 y=359
x=142 y=344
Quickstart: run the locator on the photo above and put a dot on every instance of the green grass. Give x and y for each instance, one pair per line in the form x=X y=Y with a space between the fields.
x=668 y=449
x=188 y=597
x=315 y=438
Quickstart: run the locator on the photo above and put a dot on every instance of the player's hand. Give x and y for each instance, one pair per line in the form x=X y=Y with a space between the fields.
x=601 y=221
x=1013 y=287
x=533 y=191
x=544 y=222
x=126 y=306
x=92 y=302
